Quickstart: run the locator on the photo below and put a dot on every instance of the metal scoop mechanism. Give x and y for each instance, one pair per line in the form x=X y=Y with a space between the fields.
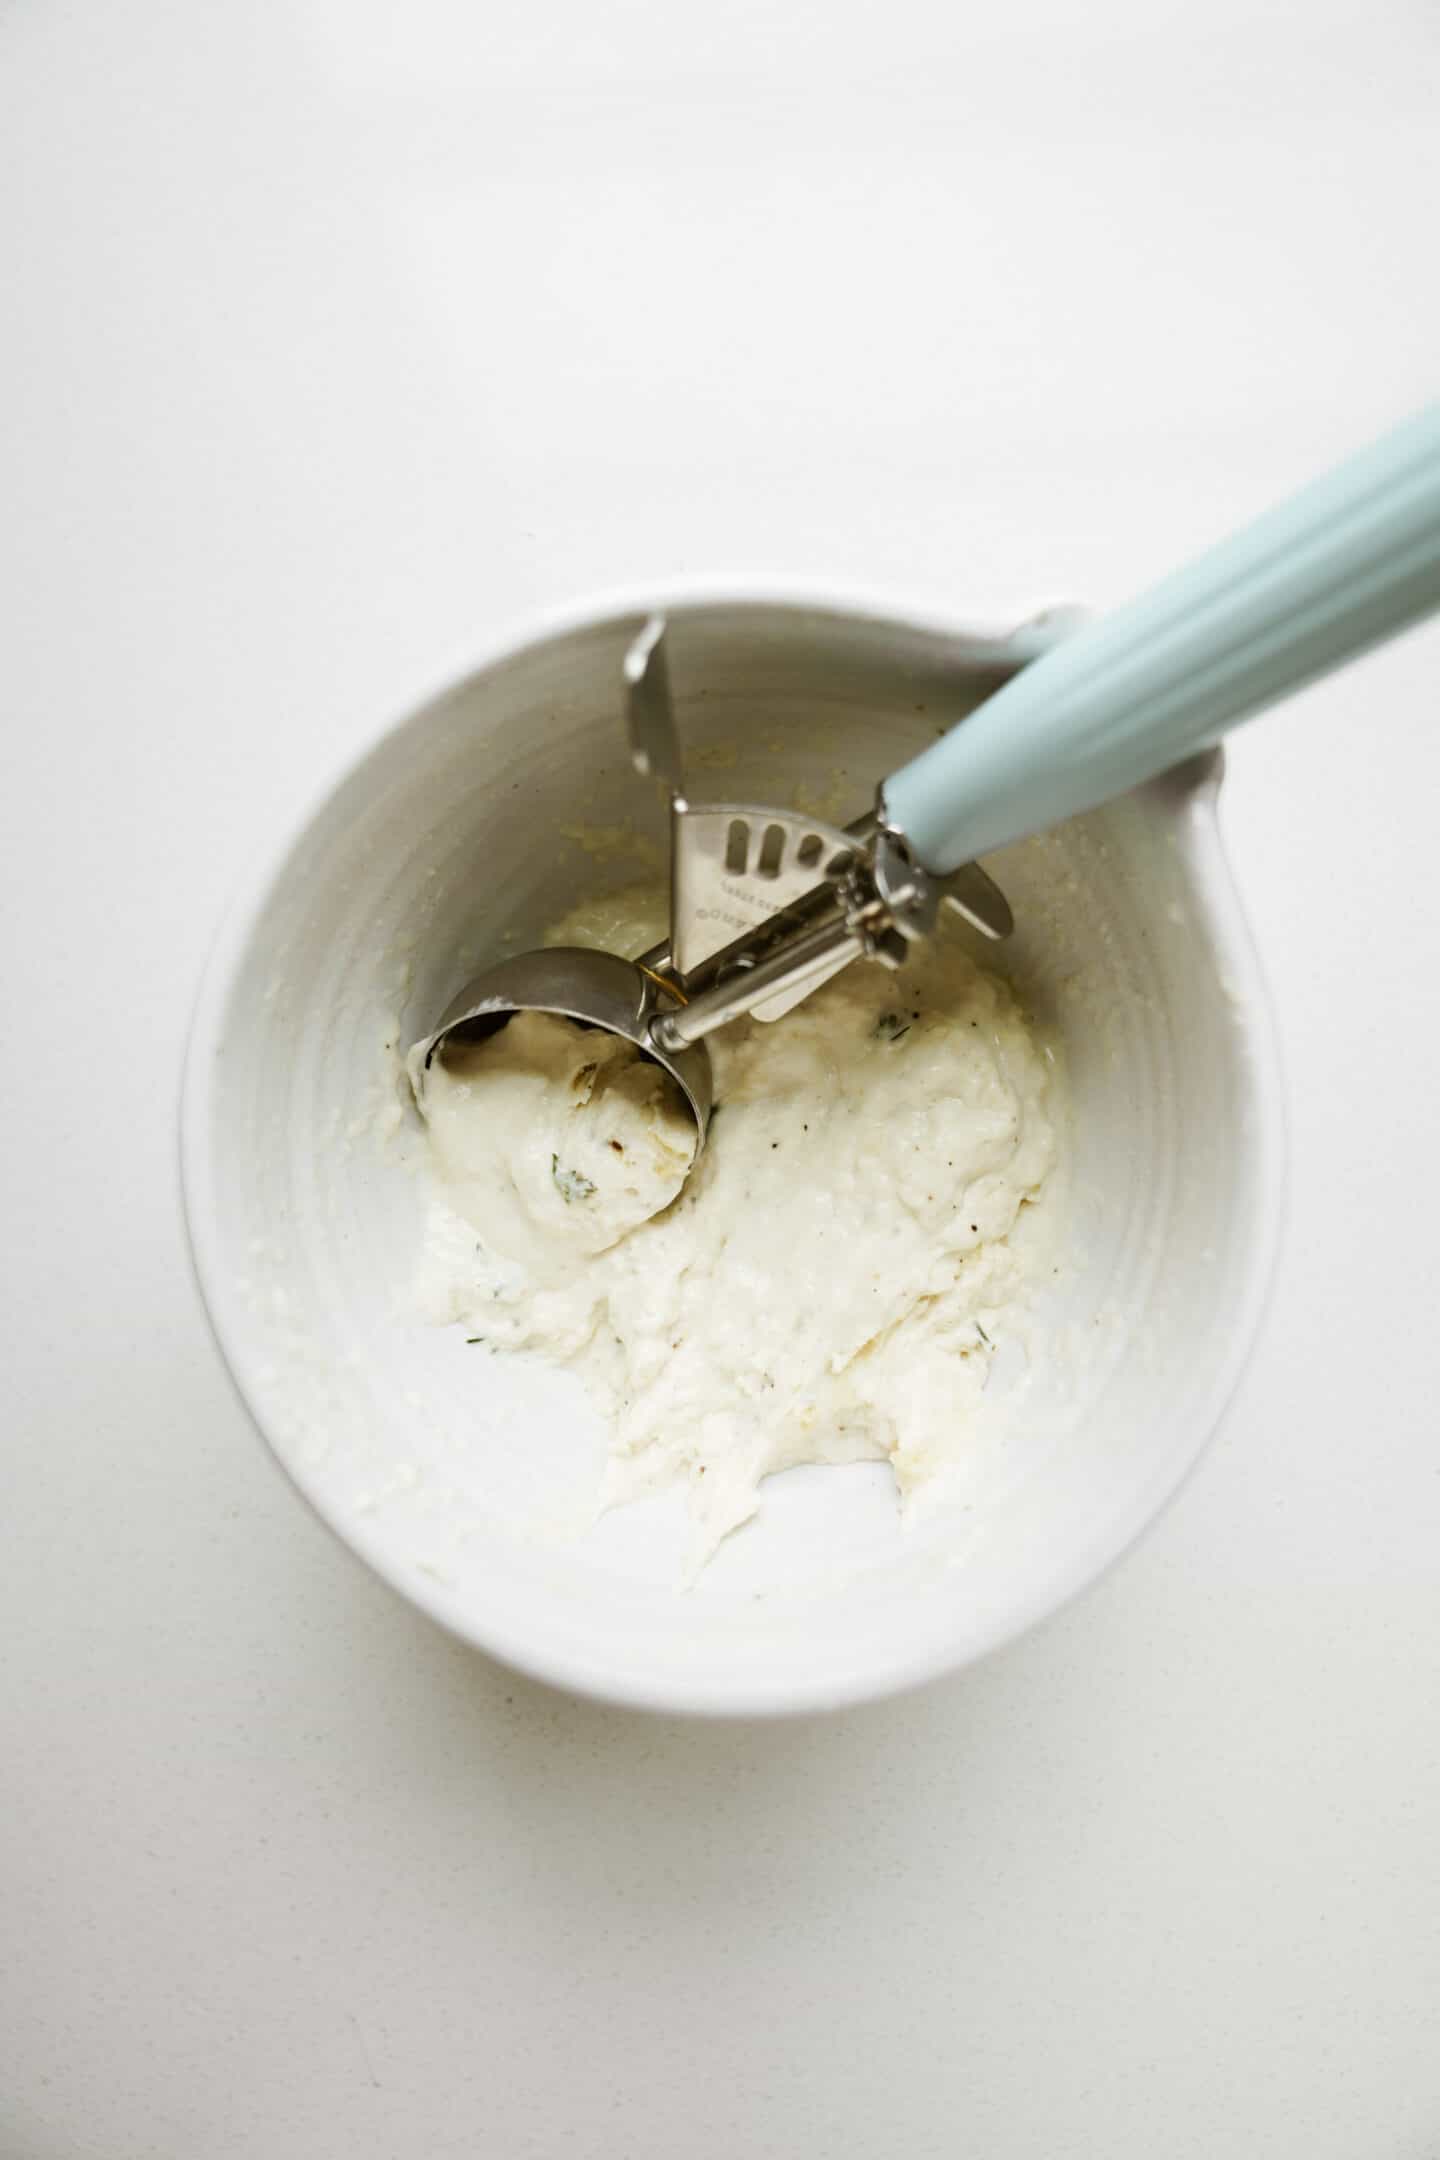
x=765 y=905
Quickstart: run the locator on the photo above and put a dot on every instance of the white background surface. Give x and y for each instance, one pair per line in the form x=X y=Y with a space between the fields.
x=336 y=333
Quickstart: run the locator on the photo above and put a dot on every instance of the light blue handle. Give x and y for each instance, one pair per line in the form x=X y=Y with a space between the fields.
x=1349 y=561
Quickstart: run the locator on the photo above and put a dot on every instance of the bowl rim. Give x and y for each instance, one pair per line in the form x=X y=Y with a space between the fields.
x=1192 y=803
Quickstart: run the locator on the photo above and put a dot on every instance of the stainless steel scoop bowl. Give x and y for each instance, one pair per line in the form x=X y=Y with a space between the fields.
x=595 y=990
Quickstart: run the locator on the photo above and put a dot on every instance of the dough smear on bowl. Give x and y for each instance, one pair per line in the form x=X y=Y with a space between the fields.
x=829 y=1281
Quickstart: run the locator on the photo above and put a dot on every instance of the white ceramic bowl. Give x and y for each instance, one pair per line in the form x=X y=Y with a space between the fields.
x=463 y=1479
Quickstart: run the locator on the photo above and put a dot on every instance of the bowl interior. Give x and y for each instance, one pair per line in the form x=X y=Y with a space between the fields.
x=468 y=1479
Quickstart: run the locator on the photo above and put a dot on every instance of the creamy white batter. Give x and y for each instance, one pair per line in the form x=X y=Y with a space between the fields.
x=554 y=1141
x=829 y=1283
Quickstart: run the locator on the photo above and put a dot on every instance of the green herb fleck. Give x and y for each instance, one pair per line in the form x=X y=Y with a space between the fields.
x=569 y=1183
x=890 y=1027
x=474 y=1338
x=983 y=1336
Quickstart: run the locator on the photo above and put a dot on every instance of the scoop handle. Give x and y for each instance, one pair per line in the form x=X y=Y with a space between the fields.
x=1349 y=561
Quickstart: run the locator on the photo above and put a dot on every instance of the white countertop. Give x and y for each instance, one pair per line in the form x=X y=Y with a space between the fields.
x=336 y=334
